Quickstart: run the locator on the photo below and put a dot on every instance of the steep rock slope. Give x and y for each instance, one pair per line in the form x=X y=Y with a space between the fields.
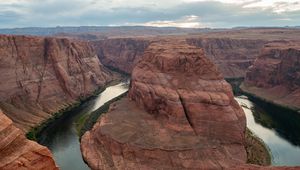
x=232 y=56
x=275 y=75
x=180 y=114
x=41 y=76
x=17 y=152
x=121 y=53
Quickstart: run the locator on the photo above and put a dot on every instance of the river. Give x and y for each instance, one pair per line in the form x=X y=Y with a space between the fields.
x=280 y=131
x=62 y=137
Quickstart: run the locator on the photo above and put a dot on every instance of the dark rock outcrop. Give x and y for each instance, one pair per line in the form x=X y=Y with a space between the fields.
x=275 y=75
x=180 y=114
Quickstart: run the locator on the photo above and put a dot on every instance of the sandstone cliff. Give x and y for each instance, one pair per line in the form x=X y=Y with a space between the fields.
x=231 y=56
x=121 y=53
x=16 y=152
x=180 y=114
x=41 y=76
x=275 y=75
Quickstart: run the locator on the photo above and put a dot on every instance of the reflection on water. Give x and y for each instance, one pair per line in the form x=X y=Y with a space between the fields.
x=280 y=130
x=61 y=136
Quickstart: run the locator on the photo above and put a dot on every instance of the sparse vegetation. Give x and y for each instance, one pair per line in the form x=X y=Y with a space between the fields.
x=257 y=152
x=87 y=123
x=35 y=132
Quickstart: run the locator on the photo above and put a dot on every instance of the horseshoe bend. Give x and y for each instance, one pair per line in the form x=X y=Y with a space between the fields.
x=194 y=101
x=179 y=114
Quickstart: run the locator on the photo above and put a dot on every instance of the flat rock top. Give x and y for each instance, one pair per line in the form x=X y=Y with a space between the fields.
x=283 y=45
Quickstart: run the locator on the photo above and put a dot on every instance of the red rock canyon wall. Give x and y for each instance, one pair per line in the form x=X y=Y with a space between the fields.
x=275 y=75
x=41 y=76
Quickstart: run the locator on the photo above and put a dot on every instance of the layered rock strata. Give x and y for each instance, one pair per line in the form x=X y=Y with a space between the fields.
x=17 y=152
x=275 y=75
x=121 y=53
x=41 y=76
x=180 y=114
x=231 y=56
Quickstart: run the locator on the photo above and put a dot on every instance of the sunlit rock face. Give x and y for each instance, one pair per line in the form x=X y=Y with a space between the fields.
x=275 y=75
x=41 y=76
x=179 y=114
x=17 y=152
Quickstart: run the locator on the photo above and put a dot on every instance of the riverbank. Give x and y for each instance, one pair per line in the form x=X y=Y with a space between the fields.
x=238 y=88
x=257 y=151
x=34 y=133
x=250 y=94
x=86 y=123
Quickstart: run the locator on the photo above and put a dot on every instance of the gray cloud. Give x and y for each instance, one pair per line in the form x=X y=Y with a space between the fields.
x=103 y=12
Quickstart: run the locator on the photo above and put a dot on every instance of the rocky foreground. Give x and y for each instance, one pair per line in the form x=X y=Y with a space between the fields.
x=275 y=75
x=180 y=113
x=17 y=152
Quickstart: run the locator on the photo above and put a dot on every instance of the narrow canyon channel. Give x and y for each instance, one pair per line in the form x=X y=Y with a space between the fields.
x=62 y=137
x=281 y=133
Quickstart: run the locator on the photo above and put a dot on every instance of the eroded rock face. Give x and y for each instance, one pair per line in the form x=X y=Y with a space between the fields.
x=180 y=114
x=17 y=152
x=275 y=75
x=231 y=56
x=40 y=76
x=121 y=53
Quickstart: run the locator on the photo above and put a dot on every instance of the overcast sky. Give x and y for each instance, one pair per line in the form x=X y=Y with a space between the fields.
x=181 y=13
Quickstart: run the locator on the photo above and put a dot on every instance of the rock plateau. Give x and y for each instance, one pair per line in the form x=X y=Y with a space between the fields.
x=179 y=114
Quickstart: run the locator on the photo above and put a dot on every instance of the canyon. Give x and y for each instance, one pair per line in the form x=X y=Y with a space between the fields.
x=121 y=53
x=233 y=51
x=232 y=56
x=275 y=74
x=41 y=78
x=179 y=112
